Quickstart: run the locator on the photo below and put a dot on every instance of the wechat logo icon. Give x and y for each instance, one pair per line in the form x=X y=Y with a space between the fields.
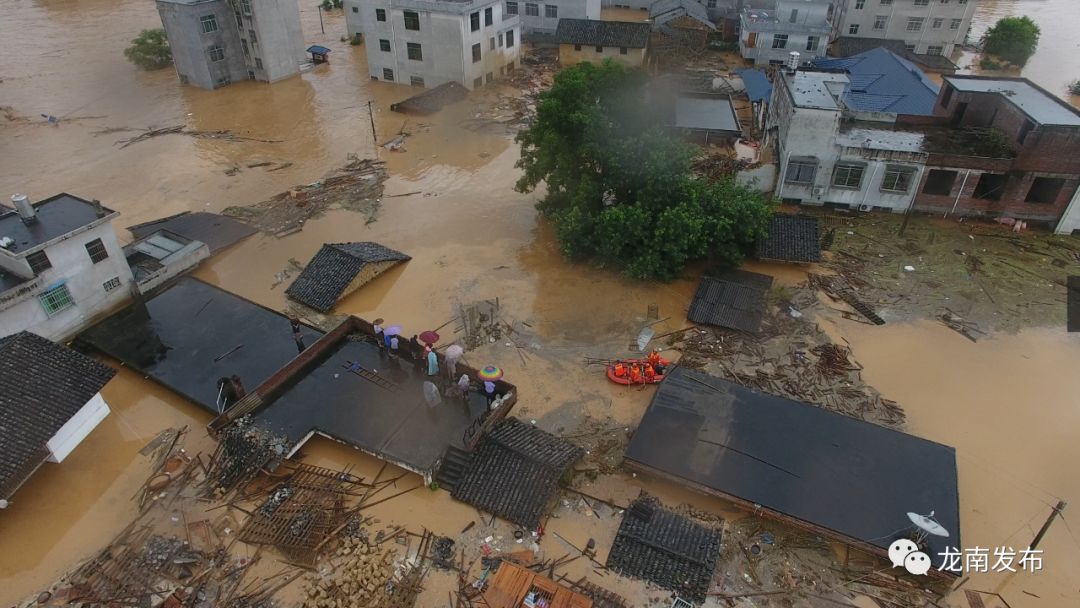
x=904 y=552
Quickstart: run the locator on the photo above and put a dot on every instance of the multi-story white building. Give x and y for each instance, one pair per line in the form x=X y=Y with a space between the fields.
x=543 y=17
x=61 y=266
x=426 y=43
x=217 y=42
x=770 y=36
x=930 y=27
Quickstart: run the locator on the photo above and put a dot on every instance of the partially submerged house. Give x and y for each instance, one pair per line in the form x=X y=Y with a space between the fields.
x=50 y=401
x=162 y=255
x=931 y=27
x=61 y=267
x=736 y=299
x=218 y=42
x=339 y=269
x=426 y=44
x=770 y=36
x=218 y=232
x=624 y=42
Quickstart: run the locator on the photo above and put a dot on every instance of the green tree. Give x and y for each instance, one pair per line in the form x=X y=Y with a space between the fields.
x=150 y=50
x=620 y=190
x=1013 y=39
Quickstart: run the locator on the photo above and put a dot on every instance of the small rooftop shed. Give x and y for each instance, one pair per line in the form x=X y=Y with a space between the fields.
x=339 y=269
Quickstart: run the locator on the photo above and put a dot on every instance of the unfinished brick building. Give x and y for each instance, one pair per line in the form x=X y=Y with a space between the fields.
x=999 y=147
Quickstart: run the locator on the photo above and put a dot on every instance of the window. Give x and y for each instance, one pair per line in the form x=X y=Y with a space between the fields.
x=848 y=176
x=245 y=5
x=914 y=24
x=474 y=22
x=599 y=49
x=897 y=179
x=922 y=2
x=476 y=52
x=853 y=29
x=939 y=182
x=500 y=40
x=936 y=23
x=909 y=48
x=1045 y=190
x=532 y=10
x=478 y=82
x=356 y=9
x=412 y=20
x=934 y=50
x=779 y=41
x=509 y=38
x=221 y=81
x=794 y=16
x=56 y=299
x=491 y=46
x=39 y=262
x=216 y=53
x=96 y=250
x=711 y=4
x=511 y=8
x=380 y=14
x=416 y=81
x=811 y=43
x=880 y=22
x=258 y=63
x=244 y=44
x=208 y=23
x=384 y=45
x=251 y=36
x=800 y=172
x=886 y=2
x=111 y=284
x=622 y=50
x=414 y=51
x=488 y=17
x=955 y=24
x=239 y=22
x=388 y=74
x=859 y=4
x=990 y=186
x=551 y=11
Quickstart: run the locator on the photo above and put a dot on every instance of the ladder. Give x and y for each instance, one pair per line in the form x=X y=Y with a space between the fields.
x=370 y=376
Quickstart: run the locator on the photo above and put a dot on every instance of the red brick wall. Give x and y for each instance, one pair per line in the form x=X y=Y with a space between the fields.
x=1011 y=204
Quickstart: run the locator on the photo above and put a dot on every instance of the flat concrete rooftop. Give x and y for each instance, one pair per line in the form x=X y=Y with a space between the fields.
x=186 y=337
x=818 y=90
x=1045 y=108
x=55 y=217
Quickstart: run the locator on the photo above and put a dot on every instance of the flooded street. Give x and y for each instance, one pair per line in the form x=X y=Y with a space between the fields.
x=1008 y=403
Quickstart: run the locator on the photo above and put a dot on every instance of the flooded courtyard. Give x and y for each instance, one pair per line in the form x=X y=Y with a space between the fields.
x=1008 y=403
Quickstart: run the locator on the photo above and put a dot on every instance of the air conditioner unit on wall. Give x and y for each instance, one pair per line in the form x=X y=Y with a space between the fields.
x=819 y=191
x=866 y=208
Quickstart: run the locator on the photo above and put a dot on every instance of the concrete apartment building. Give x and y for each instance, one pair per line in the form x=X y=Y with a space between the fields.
x=429 y=43
x=768 y=36
x=930 y=27
x=543 y=17
x=61 y=266
x=218 y=42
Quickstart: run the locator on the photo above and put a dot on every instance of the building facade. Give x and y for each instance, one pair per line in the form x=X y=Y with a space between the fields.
x=543 y=17
x=61 y=267
x=769 y=36
x=218 y=42
x=624 y=42
x=931 y=27
x=425 y=44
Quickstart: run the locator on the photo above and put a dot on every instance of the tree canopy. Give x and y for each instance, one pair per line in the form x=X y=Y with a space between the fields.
x=150 y=50
x=620 y=189
x=1013 y=39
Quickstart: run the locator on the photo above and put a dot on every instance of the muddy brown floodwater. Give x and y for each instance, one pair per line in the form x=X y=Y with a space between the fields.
x=1007 y=403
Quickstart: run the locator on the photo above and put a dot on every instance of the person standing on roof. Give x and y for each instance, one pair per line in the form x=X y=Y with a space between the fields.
x=378 y=329
x=298 y=337
x=432 y=362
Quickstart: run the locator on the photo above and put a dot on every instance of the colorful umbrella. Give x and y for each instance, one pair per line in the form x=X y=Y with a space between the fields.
x=490 y=372
x=393 y=330
x=429 y=337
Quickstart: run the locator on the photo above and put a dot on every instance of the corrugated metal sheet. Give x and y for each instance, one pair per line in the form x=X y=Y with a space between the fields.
x=882 y=81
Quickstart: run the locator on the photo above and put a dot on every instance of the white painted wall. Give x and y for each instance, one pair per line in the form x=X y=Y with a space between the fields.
x=564 y=9
x=280 y=40
x=85 y=280
x=896 y=15
x=175 y=264
x=1070 y=220
x=78 y=428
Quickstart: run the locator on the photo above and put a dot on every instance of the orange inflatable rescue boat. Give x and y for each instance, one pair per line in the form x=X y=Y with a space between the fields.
x=638 y=371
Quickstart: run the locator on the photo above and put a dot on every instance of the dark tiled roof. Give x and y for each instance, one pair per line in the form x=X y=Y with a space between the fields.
x=42 y=385
x=735 y=299
x=791 y=238
x=217 y=231
x=327 y=275
x=666 y=549
x=514 y=471
x=629 y=34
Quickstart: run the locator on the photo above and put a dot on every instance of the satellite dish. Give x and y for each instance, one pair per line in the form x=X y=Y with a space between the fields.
x=927 y=524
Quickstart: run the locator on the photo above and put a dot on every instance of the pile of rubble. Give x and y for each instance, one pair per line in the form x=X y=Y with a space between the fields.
x=360 y=579
x=517 y=109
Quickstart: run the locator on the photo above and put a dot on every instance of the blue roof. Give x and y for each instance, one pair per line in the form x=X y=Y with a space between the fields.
x=757 y=84
x=319 y=50
x=882 y=81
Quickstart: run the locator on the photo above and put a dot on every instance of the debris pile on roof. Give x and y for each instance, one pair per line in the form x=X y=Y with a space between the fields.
x=42 y=386
x=735 y=299
x=514 y=471
x=336 y=267
x=244 y=449
x=790 y=238
x=664 y=548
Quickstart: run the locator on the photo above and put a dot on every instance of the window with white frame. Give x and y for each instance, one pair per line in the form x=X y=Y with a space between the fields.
x=848 y=176
x=208 y=23
x=811 y=43
x=914 y=24
x=859 y=4
x=853 y=29
x=779 y=41
x=511 y=8
x=897 y=178
x=216 y=53
x=954 y=24
x=937 y=23
x=551 y=11
x=880 y=22
x=56 y=299
x=800 y=172
x=935 y=50
x=532 y=9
